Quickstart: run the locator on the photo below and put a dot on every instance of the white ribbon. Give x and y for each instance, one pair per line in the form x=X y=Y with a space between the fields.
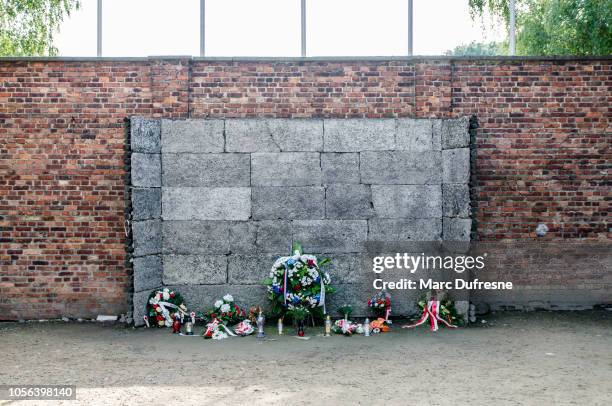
x=322 y=294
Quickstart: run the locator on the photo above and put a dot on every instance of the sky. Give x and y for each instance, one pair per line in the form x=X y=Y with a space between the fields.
x=271 y=28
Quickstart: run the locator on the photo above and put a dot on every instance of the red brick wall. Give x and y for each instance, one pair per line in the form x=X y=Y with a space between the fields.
x=543 y=149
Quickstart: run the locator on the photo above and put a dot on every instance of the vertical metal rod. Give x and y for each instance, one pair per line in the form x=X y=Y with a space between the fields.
x=512 y=28
x=410 y=27
x=202 y=27
x=303 y=26
x=99 y=31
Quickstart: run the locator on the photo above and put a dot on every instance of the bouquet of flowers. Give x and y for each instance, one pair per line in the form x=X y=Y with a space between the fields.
x=298 y=281
x=162 y=306
x=225 y=311
x=381 y=303
x=346 y=327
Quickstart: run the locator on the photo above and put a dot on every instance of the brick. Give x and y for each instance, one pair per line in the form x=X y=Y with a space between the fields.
x=340 y=167
x=407 y=201
x=229 y=170
x=456 y=165
x=400 y=167
x=417 y=135
x=359 y=135
x=305 y=202
x=147 y=237
x=286 y=169
x=147 y=273
x=145 y=135
x=455 y=133
x=331 y=236
x=274 y=135
x=456 y=200
x=196 y=237
x=146 y=170
x=195 y=269
x=344 y=201
x=204 y=203
x=192 y=135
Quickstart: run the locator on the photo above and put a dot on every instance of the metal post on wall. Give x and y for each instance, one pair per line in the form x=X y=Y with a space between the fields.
x=303 y=26
x=99 y=30
x=410 y=30
x=512 y=28
x=202 y=27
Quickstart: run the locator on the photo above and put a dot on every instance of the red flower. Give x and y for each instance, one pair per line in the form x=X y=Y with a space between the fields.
x=172 y=295
x=160 y=318
x=298 y=287
x=213 y=315
x=311 y=263
x=237 y=308
x=388 y=301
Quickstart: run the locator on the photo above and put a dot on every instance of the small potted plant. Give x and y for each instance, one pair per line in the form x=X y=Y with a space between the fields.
x=299 y=314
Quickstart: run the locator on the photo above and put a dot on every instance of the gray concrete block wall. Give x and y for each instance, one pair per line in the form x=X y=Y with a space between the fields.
x=216 y=201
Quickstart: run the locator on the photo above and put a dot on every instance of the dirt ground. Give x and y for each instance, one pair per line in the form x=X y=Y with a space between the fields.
x=514 y=358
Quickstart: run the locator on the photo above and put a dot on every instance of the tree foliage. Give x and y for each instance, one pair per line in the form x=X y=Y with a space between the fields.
x=27 y=27
x=556 y=27
x=479 y=49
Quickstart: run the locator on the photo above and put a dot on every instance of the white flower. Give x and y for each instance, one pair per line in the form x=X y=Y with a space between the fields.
x=228 y=298
x=166 y=295
x=225 y=308
x=218 y=304
x=158 y=296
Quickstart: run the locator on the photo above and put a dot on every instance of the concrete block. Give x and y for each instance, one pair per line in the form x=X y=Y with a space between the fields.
x=249 y=135
x=147 y=237
x=146 y=203
x=456 y=165
x=203 y=203
x=355 y=135
x=147 y=273
x=400 y=230
x=340 y=167
x=331 y=236
x=456 y=200
x=196 y=237
x=229 y=170
x=267 y=236
x=345 y=201
x=273 y=135
x=400 y=167
x=417 y=135
x=407 y=201
x=195 y=269
x=455 y=229
x=204 y=296
x=286 y=169
x=139 y=303
x=192 y=136
x=145 y=135
x=455 y=133
x=302 y=202
x=146 y=170
x=249 y=269
x=346 y=269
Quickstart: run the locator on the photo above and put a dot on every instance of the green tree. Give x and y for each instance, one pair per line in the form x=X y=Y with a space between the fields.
x=556 y=27
x=479 y=49
x=27 y=27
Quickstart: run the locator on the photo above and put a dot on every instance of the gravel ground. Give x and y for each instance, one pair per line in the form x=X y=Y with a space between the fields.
x=515 y=358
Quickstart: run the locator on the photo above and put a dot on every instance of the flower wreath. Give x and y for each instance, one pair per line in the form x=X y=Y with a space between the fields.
x=225 y=310
x=297 y=283
x=162 y=306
